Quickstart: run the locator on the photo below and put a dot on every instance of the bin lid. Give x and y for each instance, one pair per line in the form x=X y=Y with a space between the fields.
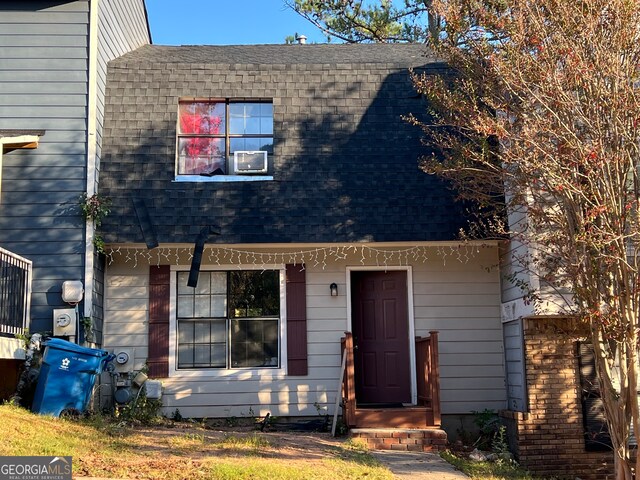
x=72 y=347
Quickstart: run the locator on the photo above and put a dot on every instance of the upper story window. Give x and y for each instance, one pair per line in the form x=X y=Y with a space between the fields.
x=224 y=137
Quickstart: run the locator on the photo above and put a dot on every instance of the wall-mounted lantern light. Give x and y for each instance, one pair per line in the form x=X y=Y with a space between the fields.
x=334 y=289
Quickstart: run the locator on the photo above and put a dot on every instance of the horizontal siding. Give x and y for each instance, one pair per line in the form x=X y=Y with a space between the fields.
x=126 y=312
x=464 y=309
x=76 y=88
x=122 y=27
x=43 y=187
x=58 y=52
x=42 y=100
x=43 y=85
x=38 y=173
x=45 y=29
x=514 y=366
x=60 y=111
x=65 y=63
x=17 y=40
x=72 y=234
x=512 y=272
x=41 y=76
x=29 y=20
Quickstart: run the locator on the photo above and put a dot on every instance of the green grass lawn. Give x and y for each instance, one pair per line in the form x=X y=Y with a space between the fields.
x=103 y=449
x=488 y=470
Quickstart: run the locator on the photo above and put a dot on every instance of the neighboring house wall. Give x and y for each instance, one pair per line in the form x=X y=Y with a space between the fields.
x=458 y=299
x=43 y=84
x=515 y=366
x=122 y=27
x=549 y=439
x=513 y=310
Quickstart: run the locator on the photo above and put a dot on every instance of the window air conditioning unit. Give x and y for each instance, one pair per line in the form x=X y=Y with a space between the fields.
x=249 y=162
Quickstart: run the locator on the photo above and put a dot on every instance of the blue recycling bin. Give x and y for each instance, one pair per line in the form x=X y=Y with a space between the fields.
x=67 y=377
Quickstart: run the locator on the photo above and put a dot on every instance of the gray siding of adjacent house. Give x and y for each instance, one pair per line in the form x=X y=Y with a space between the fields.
x=43 y=85
x=514 y=366
x=122 y=27
x=515 y=279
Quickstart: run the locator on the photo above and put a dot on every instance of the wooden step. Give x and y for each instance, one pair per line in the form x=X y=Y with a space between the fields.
x=402 y=439
x=405 y=417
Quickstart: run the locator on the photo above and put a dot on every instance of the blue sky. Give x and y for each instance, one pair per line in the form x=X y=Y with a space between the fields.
x=225 y=22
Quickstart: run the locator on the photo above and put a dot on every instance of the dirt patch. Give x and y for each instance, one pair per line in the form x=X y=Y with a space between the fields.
x=202 y=442
x=184 y=447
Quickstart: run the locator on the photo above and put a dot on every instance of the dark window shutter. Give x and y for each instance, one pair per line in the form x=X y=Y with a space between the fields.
x=159 y=285
x=296 y=320
x=596 y=433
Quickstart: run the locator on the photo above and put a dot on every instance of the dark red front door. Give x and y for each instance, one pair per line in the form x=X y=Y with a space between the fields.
x=380 y=325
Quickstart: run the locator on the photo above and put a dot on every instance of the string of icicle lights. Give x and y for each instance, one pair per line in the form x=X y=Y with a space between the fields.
x=316 y=257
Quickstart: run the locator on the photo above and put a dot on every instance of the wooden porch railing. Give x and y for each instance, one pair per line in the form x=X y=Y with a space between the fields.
x=428 y=379
x=348 y=382
x=428 y=373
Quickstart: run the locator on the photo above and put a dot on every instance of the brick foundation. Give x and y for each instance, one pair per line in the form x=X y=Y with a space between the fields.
x=411 y=440
x=549 y=438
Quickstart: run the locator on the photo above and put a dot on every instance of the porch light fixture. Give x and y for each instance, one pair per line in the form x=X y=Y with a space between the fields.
x=334 y=289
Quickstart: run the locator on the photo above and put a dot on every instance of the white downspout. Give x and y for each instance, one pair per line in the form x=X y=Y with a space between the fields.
x=92 y=113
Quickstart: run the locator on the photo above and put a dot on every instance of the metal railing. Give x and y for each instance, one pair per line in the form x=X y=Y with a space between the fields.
x=15 y=293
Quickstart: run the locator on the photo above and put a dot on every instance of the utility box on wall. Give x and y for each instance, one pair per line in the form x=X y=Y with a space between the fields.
x=124 y=359
x=64 y=322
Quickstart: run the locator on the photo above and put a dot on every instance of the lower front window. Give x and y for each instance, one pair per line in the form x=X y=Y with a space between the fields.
x=230 y=320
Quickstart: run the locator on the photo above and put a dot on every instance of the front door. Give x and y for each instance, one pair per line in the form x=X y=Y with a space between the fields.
x=380 y=324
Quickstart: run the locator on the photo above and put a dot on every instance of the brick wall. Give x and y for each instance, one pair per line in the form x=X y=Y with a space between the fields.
x=407 y=440
x=549 y=438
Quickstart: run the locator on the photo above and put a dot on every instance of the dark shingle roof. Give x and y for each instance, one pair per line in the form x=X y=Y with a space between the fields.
x=406 y=55
x=345 y=163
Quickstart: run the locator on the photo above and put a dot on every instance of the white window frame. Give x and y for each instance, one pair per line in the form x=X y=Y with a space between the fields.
x=219 y=178
x=234 y=373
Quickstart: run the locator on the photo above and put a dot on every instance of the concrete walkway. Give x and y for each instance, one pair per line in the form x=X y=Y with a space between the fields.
x=418 y=466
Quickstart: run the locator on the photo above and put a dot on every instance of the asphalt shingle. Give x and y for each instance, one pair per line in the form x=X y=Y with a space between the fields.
x=345 y=162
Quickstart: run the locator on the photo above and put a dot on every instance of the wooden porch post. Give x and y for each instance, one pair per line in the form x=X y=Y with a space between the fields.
x=349 y=382
x=434 y=377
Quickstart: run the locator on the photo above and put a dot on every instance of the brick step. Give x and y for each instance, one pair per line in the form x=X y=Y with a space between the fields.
x=402 y=439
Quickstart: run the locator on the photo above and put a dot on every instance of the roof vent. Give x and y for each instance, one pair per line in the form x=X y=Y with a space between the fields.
x=301 y=39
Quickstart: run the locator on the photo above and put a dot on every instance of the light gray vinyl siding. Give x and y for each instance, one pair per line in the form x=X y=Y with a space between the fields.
x=515 y=366
x=512 y=272
x=43 y=85
x=459 y=300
